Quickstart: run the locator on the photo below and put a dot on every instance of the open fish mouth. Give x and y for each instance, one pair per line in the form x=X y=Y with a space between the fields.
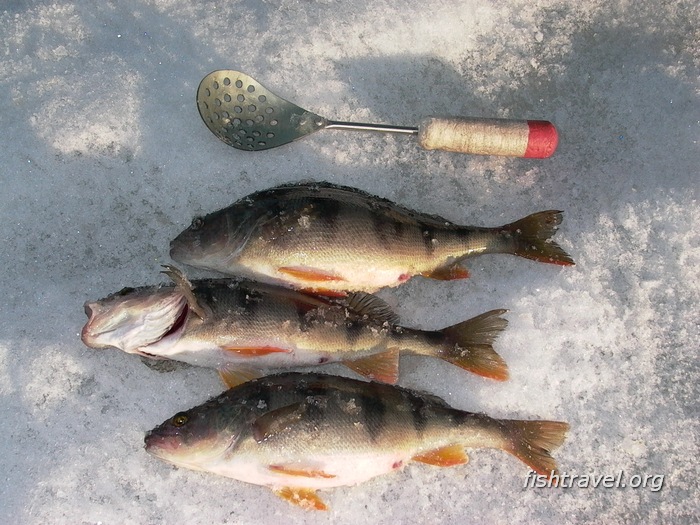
x=135 y=323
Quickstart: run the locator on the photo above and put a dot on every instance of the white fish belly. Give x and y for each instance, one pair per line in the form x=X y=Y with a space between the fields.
x=320 y=473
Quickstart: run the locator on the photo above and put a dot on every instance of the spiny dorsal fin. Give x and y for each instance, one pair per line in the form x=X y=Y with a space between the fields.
x=370 y=305
x=185 y=286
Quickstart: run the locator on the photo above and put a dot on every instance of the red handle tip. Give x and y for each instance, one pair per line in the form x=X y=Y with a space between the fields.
x=542 y=140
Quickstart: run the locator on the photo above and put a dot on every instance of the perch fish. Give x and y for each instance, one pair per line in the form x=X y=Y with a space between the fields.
x=298 y=433
x=243 y=328
x=320 y=236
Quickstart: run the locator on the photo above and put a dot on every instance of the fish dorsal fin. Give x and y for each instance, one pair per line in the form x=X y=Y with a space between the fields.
x=370 y=305
x=304 y=498
x=382 y=367
x=444 y=457
x=278 y=420
x=185 y=286
x=237 y=376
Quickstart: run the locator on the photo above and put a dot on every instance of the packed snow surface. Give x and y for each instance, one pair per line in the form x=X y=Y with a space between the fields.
x=105 y=159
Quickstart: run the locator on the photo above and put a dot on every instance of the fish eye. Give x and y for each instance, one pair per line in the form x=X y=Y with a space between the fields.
x=197 y=223
x=179 y=420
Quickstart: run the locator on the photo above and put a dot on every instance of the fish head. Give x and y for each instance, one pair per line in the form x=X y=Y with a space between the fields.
x=134 y=317
x=196 y=437
x=216 y=240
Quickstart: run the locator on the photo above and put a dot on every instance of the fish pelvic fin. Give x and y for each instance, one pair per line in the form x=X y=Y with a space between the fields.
x=305 y=498
x=531 y=238
x=533 y=441
x=185 y=286
x=237 y=376
x=469 y=345
x=382 y=367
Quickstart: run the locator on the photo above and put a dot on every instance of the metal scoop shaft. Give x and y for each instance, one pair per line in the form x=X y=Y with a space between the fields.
x=246 y=115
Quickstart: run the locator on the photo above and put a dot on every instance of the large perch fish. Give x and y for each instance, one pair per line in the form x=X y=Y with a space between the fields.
x=297 y=433
x=242 y=328
x=326 y=237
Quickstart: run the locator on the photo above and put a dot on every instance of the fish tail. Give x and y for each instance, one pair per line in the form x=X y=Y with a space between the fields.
x=469 y=345
x=531 y=238
x=533 y=441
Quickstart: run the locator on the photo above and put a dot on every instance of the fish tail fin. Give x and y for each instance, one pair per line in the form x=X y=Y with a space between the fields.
x=533 y=441
x=531 y=238
x=469 y=345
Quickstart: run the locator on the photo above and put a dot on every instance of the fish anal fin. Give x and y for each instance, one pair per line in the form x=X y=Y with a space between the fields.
x=275 y=421
x=305 y=273
x=237 y=376
x=382 y=367
x=444 y=457
x=255 y=351
x=450 y=272
x=305 y=498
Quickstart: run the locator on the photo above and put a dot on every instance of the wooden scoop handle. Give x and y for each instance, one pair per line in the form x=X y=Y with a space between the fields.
x=535 y=139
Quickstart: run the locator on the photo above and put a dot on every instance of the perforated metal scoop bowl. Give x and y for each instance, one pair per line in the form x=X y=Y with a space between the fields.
x=246 y=115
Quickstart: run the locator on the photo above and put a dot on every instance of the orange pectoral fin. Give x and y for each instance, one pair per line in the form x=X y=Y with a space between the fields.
x=447 y=273
x=304 y=498
x=300 y=471
x=382 y=367
x=313 y=275
x=444 y=457
x=255 y=351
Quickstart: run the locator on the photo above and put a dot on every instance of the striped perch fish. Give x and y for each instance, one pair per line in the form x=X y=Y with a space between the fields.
x=297 y=433
x=332 y=238
x=244 y=328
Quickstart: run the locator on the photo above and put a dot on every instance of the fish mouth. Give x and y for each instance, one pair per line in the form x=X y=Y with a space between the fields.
x=148 y=329
x=154 y=442
x=86 y=336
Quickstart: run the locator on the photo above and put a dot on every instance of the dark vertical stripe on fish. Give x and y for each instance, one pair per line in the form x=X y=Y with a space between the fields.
x=379 y=225
x=264 y=399
x=428 y=235
x=248 y=302
x=373 y=411
x=327 y=210
x=418 y=412
x=353 y=330
x=303 y=317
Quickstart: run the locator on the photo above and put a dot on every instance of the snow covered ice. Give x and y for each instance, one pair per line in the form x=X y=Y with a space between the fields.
x=105 y=159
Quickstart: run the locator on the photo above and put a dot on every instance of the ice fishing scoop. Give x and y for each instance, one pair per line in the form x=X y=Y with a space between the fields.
x=246 y=115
